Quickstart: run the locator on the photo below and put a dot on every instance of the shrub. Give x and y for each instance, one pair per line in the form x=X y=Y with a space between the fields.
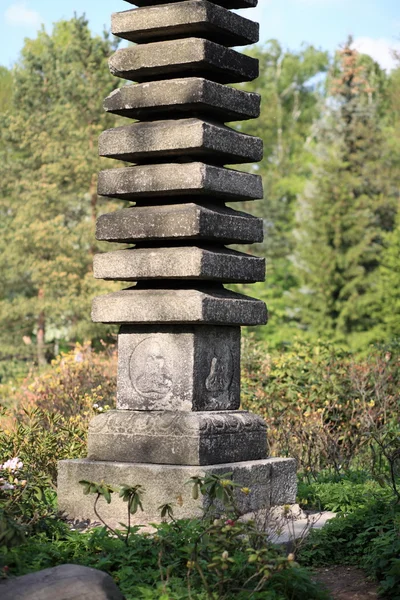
x=72 y=383
x=324 y=407
x=29 y=452
x=369 y=538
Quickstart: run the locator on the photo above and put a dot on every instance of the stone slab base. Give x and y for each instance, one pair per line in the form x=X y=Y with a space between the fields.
x=272 y=482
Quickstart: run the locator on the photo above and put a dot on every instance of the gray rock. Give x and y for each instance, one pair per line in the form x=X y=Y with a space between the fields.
x=191 y=57
x=66 y=582
x=179 y=222
x=190 y=306
x=184 y=97
x=193 y=18
x=178 y=368
x=181 y=262
x=187 y=138
x=225 y=3
x=167 y=483
x=166 y=181
x=177 y=438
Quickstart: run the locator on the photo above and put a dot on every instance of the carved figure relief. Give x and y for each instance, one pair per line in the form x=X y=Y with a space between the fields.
x=149 y=373
x=219 y=380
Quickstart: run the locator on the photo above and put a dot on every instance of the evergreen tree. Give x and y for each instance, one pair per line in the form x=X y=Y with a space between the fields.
x=390 y=285
x=346 y=210
x=5 y=89
x=49 y=204
x=290 y=89
x=388 y=308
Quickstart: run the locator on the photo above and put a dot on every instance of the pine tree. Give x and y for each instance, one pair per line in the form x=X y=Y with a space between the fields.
x=346 y=210
x=49 y=203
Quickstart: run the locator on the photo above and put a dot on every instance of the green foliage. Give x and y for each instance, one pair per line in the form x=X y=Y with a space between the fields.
x=49 y=203
x=132 y=495
x=390 y=283
x=12 y=371
x=6 y=89
x=30 y=449
x=323 y=406
x=369 y=538
x=77 y=383
x=291 y=98
x=47 y=422
x=345 y=211
x=198 y=559
x=345 y=494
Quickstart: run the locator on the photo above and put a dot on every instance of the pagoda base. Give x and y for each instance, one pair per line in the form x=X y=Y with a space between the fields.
x=272 y=482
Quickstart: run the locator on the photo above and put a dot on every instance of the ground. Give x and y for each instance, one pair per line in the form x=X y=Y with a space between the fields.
x=346 y=583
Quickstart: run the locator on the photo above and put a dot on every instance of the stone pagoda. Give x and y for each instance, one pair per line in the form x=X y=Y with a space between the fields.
x=178 y=400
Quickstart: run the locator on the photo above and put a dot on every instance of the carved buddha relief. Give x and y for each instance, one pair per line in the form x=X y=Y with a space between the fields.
x=219 y=380
x=150 y=375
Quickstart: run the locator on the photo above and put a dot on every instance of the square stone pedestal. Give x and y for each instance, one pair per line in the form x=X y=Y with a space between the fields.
x=272 y=483
x=178 y=368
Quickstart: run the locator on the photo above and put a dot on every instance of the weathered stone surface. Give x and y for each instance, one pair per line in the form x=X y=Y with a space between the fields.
x=208 y=307
x=189 y=57
x=192 y=18
x=225 y=3
x=178 y=368
x=182 y=180
x=181 y=262
x=66 y=582
x=186 y=138
x=179 y=222
x=189 y=96
x=271 y=481
x=177 y=438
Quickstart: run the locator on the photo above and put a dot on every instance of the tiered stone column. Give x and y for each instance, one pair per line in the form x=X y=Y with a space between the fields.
x=178 y=393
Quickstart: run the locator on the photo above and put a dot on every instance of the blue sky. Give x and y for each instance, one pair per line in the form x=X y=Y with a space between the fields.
x=375 y=24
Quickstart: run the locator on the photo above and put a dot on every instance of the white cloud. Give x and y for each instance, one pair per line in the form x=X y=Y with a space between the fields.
x=19 y=14
x=380 y=49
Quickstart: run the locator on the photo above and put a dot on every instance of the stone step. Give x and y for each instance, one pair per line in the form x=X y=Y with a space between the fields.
x=189 y=139
x=271 y=482
x=171 y=182
x=177 y=98
x=225 y=3
x=181 y=262
x=190 y=57
x=179 y=222
x=192 y=18
x=177 y=438
x=212 y=306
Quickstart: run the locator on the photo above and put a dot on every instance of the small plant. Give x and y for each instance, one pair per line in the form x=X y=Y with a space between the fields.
x=344 y=494
x=368 y=537
x=29 y=451
x=132 y=495
x=223 y=556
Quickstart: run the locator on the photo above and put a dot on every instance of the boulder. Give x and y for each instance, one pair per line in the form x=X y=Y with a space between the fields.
x=66 y=582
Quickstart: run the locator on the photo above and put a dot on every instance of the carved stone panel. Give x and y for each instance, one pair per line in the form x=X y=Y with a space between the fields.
x=217 y=365
x=177 y=437
x=178 y=368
